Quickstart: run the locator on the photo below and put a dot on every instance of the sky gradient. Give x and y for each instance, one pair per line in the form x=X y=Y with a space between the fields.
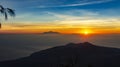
x=65 y=16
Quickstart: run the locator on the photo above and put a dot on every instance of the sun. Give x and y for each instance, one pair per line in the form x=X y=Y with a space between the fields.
x=85 y=32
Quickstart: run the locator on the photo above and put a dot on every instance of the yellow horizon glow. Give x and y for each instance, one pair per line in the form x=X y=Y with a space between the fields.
x=64 y=30
x=86 y=31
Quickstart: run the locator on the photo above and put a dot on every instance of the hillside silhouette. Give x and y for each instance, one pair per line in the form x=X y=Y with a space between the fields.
x=70 y=55
x=51 y=32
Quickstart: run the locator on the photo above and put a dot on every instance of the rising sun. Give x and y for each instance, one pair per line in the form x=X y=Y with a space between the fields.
x=86 y=32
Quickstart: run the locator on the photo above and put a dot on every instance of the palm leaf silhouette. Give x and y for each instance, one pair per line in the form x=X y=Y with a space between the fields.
x=6 y=12
x=1 y=9
x=11 y=12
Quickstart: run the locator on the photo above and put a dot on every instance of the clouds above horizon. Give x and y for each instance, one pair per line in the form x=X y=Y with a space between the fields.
x=71 y=4
x=55 y=14
x=52 y=20
x=51 y=3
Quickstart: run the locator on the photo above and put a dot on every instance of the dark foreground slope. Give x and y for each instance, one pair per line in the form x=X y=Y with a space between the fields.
x=70 y=55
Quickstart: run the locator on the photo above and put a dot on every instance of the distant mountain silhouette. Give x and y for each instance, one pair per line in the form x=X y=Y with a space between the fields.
x=50 y=32
x=71 y=55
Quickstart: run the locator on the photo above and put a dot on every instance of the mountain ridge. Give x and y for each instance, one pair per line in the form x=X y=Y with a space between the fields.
x=70 y=55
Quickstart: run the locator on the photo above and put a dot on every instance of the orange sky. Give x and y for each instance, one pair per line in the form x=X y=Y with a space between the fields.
x=76 y=16
x=61 y=29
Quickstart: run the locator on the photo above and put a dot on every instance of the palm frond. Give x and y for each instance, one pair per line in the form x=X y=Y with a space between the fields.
x=5 y=12
x=2 y=9
x=11 y=12
x=6 y=16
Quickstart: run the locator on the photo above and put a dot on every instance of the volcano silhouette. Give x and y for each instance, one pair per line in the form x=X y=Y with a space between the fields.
x=70 y=55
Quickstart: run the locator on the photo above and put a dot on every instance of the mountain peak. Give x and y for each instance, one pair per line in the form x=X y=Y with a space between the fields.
x=86 y=44
x=70 y=55
x=80 y=44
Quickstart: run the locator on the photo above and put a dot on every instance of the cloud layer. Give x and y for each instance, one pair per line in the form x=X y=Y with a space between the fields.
x=72 y=4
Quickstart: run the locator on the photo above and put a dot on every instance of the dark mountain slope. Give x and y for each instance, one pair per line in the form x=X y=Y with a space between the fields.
x=70 y=55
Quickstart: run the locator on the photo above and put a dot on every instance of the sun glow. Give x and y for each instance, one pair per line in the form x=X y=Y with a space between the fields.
x=86 y=32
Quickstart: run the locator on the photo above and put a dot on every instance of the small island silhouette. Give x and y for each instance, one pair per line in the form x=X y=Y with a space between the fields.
x=51 y=32
x=70 y=55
